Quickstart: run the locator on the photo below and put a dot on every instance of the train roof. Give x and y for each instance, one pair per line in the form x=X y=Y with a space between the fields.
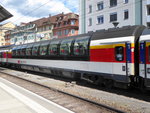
x=7 y=46
x=56 y=39
x=102 y=34
x=118 y=32
x=146 y=31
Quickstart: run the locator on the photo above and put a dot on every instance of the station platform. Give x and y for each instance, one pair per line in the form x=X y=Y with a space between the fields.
x=15 y=99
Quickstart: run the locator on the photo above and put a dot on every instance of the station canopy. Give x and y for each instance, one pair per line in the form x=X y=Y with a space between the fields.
x=4 y=14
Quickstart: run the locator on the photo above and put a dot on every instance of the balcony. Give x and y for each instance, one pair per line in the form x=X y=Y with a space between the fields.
x=148 y=2
x=148 y=18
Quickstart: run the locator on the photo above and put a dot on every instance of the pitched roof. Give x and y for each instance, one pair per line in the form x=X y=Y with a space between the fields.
x=54 y=19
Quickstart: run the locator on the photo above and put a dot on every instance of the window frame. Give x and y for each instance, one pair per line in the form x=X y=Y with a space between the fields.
x=18 y=50
x=57 y=43
x=38 y=46
x=100 y=6
x=121 y=55
x=149 y=53
x=126 y=16
x=41 y=47
x=90 y=8
x=23 y=50
x=81 y=39
x=148 y=10
x=126 y=1
x=73 y=22
x=113 y=19
x=30 y=46
x=90 y=21
x=99 y=21
x=14 y=51
x=63 y=51
x=73 y=31
x=113 y=3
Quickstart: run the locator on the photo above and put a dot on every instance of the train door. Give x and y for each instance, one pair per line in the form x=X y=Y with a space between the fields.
x=122 y=59
x=145 y=62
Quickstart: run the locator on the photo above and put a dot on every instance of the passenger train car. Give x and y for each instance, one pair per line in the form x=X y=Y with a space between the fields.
x=115 y=57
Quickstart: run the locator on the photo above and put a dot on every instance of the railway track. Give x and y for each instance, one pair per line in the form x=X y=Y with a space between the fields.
x=69 y=101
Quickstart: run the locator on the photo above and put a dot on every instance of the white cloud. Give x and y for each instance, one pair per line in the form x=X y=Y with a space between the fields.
x=29 y=10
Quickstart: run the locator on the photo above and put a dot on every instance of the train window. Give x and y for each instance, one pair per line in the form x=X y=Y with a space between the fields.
x=149 y=53
x=29 y=50
x=18 y=50
x=43 y=49
x=35 y=49
x=0 y=55
x=14 y=51
x=53 y=48
x=23 y=50
x=81 y=46
x=119 y=53
x=65 y=47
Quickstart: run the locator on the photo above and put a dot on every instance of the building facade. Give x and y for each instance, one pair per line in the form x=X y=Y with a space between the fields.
x=44 y=28
x=3 y=29
x=24 y=33
x=66 y=25
x=7 y=37
x=104 y=14
x=146 y=9
x=57 y=26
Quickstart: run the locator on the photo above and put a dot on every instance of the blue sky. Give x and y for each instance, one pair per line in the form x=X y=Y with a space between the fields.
x=29 y=10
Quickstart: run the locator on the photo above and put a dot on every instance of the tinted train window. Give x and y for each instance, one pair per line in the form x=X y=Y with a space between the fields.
x=65 y=47
x=18 y=49
x=29 y=50
x=149 y=53
x=53 y=48
x=0 y=55
x=43 y=49
x=119 y=53
x=14 y=51
x=35 y=49
x=81 y=46
x=23 y=50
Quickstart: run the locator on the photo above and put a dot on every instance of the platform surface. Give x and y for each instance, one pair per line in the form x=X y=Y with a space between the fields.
x=15 y=99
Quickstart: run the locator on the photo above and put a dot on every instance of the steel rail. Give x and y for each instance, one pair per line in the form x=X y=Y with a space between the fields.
x=75 y=96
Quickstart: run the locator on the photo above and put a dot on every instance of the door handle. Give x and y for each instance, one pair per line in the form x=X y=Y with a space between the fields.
x=123 y=68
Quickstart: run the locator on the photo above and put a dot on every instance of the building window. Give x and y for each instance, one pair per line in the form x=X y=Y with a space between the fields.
x=100 y=19
x=148 y=10
x=66 y=32
x=72 y=31
x=126 y=14
x=113 y=3
x=100 y=6
x=59 y=33
x=126 y=1
x=113 y=17
x=90 y=21
x=58 y=25
x=72 y=22
x=90 y=8
x=50 y=27
x=65 y=22
x=148 y=25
